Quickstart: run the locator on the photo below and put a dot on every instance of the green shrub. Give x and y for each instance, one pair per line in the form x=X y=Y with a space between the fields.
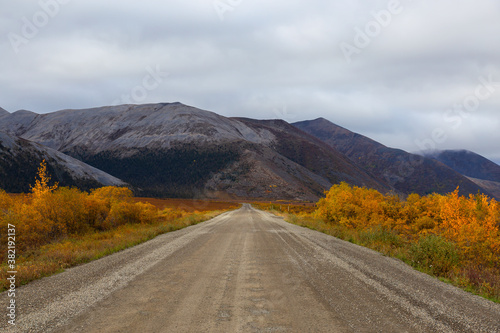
x=435 y=255
x=380 y=235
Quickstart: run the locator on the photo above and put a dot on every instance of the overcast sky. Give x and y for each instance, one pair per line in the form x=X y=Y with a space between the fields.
x=410 y=74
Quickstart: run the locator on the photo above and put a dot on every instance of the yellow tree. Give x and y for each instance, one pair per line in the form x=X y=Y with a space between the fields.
x=42 y=181
x=472 y=224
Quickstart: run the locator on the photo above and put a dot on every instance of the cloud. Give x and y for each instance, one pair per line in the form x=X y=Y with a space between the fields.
x=264 y=60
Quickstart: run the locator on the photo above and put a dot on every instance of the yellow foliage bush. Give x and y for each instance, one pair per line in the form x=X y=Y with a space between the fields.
x=471 y=223
x=169 y=214
x=49 y=213
x=31 y=230
x=112 y=194
x=42 y=181
x=358 y=207
x=127 y=212
x=5 y=202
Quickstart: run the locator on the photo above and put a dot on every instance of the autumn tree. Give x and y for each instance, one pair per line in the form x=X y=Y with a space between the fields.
x=42 y=181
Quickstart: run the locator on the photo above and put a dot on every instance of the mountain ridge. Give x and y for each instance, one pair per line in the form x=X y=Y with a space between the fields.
x=176 y=150
x=65 y=126
x=468 y=163
x=480 y=170
x=404 y=171
x=310 y=153
x=171 y=149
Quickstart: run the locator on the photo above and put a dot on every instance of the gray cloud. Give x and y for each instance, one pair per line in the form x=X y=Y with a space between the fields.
x=266 y=60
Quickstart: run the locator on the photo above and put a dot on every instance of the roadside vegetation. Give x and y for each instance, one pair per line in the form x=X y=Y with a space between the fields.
x=59 y=227
x=452 y=237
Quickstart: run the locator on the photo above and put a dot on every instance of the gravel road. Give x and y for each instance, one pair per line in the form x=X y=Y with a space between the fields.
x=247 y=271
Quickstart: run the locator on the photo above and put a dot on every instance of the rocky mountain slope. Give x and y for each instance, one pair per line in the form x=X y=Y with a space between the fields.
x=127 y=128
x=404 y=171
x=177 y=150
x=20 y=158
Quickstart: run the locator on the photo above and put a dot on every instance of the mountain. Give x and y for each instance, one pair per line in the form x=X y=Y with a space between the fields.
x=406 y=172
x=171 y=149
x=467 y=163
x=174 y=150
x=20 y=158
x=312 y=154
x=19 y=119
x=3 y=112
x=477 y=168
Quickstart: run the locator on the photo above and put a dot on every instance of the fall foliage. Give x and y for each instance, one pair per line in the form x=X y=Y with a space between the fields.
x=57 y=227
x=450 y=236
x=471 y=223
x=42 y=181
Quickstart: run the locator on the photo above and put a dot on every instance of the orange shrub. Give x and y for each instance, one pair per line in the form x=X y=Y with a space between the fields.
x=42 y=181
x=31 y=230
x=97 y=211
x=358 y=207
x=50 y=214
x=127 y=212
x=5 y=202
x=471 y=223
x=169 y=214
x=112 y=194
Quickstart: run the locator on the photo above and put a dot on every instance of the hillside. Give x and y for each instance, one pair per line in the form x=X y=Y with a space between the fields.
x=180 y=151
x=477 y=168
x=404 y=171
x=468 y=163
x=174 y=150
x=20 y=158
x=315 y=155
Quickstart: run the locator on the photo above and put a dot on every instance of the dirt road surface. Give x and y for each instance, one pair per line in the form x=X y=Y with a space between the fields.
x=248 y=271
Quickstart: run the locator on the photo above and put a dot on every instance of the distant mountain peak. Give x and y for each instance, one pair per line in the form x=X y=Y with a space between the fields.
x=324 y=128
x=3 y=112
x=405 y=172
x=22 y=111
x=467 y=163
x=320 y=120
